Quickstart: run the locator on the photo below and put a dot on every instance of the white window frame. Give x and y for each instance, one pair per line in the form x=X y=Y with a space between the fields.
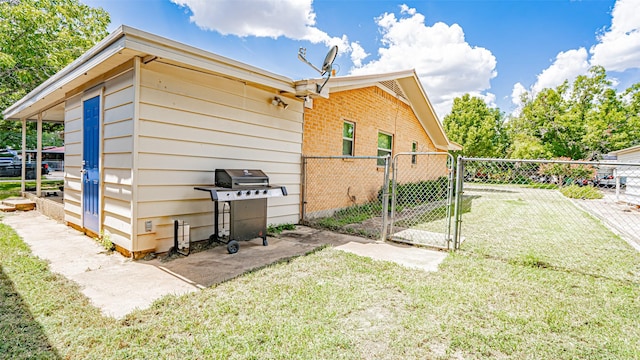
x=352 y=139
x=414 y=149
x=388 y=151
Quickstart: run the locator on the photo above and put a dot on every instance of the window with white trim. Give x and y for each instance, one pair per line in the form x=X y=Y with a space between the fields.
x=414 y=148
x=348 y=133
x=385 y=144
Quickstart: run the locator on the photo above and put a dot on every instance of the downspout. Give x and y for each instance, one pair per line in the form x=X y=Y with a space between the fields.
x=134 y=155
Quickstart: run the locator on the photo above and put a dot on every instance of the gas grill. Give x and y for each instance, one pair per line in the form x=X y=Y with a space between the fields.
x=243 y=195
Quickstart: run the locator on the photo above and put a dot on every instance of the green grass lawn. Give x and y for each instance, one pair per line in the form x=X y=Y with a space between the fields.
x=510 y=292
x=12 y=188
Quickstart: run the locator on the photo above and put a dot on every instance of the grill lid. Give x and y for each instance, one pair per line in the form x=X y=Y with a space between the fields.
x=240 y=178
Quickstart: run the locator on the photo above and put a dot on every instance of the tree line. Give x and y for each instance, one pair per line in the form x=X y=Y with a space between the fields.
x=583 y=120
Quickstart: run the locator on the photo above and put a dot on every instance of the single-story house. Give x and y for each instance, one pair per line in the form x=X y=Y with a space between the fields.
x=632 y=173
x=147 y=119
x=360 y=112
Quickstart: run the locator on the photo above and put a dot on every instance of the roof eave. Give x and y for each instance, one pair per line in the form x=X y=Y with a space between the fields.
x=625 y=151
x=408 y=80
x=421 y=105
x=343 y=83
x=142 y=43
x=169 y=49
x=110 y=43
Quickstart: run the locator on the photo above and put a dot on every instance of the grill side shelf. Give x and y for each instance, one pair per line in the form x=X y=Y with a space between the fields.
x=213 y=191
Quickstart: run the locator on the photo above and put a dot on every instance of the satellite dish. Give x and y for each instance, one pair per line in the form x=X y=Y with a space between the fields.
x=329 y=59
x=326 y=66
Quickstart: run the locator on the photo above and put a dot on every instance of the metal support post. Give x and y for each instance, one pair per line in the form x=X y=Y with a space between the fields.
x=458 y=202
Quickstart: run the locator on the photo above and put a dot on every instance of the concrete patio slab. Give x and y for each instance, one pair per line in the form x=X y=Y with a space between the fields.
x=119 y=285
x=408 y=256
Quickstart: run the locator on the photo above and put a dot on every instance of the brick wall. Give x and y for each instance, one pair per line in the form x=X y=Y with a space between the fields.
x=372 y=110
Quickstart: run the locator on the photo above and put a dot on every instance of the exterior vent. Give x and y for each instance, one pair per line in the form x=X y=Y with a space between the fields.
x=393 y=86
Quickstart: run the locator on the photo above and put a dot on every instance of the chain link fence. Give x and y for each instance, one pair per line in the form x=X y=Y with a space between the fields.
x=493 y=204
x=421 y=199
x=345 y=193
x=552 y=203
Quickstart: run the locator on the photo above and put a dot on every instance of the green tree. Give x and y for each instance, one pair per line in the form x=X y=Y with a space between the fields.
x=525 y=146
x=475 y=126
x=536 y=132
x=37 y=39
x=607 y=127
x=631 y=99
x=584 y=120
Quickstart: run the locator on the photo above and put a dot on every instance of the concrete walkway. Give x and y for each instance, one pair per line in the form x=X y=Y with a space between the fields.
x=115 y=284
x=620 y=217
x=118 y=285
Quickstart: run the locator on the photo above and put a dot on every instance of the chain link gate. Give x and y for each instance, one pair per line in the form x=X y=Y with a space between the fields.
x=421 y=196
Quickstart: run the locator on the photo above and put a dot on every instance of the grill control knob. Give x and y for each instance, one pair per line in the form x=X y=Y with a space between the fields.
x=257 y=192
x=239 y=193
x=248 y=192
x=264 y=192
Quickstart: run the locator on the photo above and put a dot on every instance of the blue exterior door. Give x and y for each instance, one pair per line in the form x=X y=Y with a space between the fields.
x=90 y=165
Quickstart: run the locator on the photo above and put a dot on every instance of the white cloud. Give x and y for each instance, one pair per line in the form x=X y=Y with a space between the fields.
x=618 y=48
x=294 y=19
x=567 y=66
x=358 y=54
x=516 y=97
x=447 y=65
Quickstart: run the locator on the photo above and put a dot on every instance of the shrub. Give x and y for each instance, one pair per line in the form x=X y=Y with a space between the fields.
x=273 y=230
x=416 y=193
x=581 y=192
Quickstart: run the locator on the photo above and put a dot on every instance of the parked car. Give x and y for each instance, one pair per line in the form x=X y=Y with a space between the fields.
x=15 y=170
x=583 y=182
x=11 y=165
x=608 y=180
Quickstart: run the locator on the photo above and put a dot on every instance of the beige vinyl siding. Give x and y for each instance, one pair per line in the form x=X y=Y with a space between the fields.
x=117 y=134
x=192 y=123
x=73 y=160
x=117 y=148
x=632 y=188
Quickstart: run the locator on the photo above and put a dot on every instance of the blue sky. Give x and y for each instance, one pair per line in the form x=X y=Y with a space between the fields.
x=495 y=49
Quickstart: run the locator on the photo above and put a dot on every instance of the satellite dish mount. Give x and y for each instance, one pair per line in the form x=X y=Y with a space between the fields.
x=327 y=66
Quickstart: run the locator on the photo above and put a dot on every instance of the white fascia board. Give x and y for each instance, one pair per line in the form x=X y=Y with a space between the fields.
x=171 y=50
x=146 y=43
x=351 y=82
x=74 y=70
x=625 y=151
x=354 y=81
x=420 y=103
x=307 y=87
x=57 y=80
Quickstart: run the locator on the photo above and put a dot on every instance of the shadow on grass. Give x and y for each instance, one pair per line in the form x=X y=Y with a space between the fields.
x=534 y=261
x=21 y=336
x=469 y=187
x=366 y=220
x=427 y=214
